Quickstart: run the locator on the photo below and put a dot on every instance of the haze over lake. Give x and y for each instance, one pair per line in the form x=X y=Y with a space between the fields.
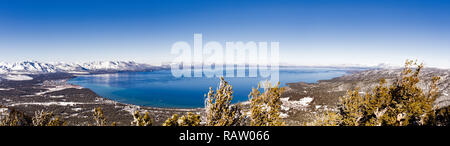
x=160 y=89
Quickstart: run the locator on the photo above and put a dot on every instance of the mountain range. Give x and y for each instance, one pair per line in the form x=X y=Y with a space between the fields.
x=34 y=67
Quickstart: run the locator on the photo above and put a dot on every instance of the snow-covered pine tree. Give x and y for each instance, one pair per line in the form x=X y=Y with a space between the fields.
x=172 y=121
x=42 y=118
x=190 y=119
x=141 y=120
x=11 y=117
x=219 y=110
x=265 y=108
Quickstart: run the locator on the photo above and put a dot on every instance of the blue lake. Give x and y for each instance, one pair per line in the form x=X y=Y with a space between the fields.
x=161 y=89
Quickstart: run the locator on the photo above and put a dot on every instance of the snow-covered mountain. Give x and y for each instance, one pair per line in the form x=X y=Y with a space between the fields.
x=26 y=66
x=33 y=67
x=114 y=65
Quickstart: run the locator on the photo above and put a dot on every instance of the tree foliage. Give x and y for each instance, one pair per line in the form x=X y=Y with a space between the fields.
x=11 y=117
x=265 y=107
x=327 y=118
x=443 y=116
x=141 y=120
x=402 y=103
x=99 y=118
x=189 y=119
x=172 y=121
x=42 y=118
x=218 y=107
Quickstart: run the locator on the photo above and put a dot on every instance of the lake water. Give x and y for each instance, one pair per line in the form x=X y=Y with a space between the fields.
x=161 y=89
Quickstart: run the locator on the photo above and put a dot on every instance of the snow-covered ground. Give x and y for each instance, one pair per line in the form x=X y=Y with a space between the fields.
x=305 y=101
x=17 y=77
x=78 y=72
x=77 y=109
x=58 y=96
x=6 y=89
x=284 y=115
x=58 y=88
x=299 y=104
x=49 y=103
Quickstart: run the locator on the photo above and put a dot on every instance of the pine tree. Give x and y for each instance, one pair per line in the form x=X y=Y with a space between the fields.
x=407 y=104
x=172 y=121
x=42 y=118
x=189 y=119
x=443 y=116
x=265 y=107
x=140 y=120
x=99 y=118
x=351 y=107
x=11 y=117
x=401 y=104
x=219 y=110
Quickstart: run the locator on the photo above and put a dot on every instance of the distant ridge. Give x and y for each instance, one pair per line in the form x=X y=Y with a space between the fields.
x=35 y=67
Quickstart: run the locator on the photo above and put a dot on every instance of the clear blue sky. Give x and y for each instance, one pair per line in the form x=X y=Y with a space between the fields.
x=309 y=31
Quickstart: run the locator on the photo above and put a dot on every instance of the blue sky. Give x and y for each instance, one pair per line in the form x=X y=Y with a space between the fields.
x=310 y=32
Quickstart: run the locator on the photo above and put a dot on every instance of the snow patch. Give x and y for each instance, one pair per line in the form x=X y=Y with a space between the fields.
x=27 y=95
x=300 y=104
x=305 y=101
x=77 y=109
x=284 y=115
x=58 y=96
x=105 y=101
x=283 y=105
x=131 y=108
x=286 y=99
x=7 y=100
x=78 y=72
x=74 y=115
x=245 y=103
x=49 y=103
x=3 y=110
x=17 y=77
x=58 y=88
